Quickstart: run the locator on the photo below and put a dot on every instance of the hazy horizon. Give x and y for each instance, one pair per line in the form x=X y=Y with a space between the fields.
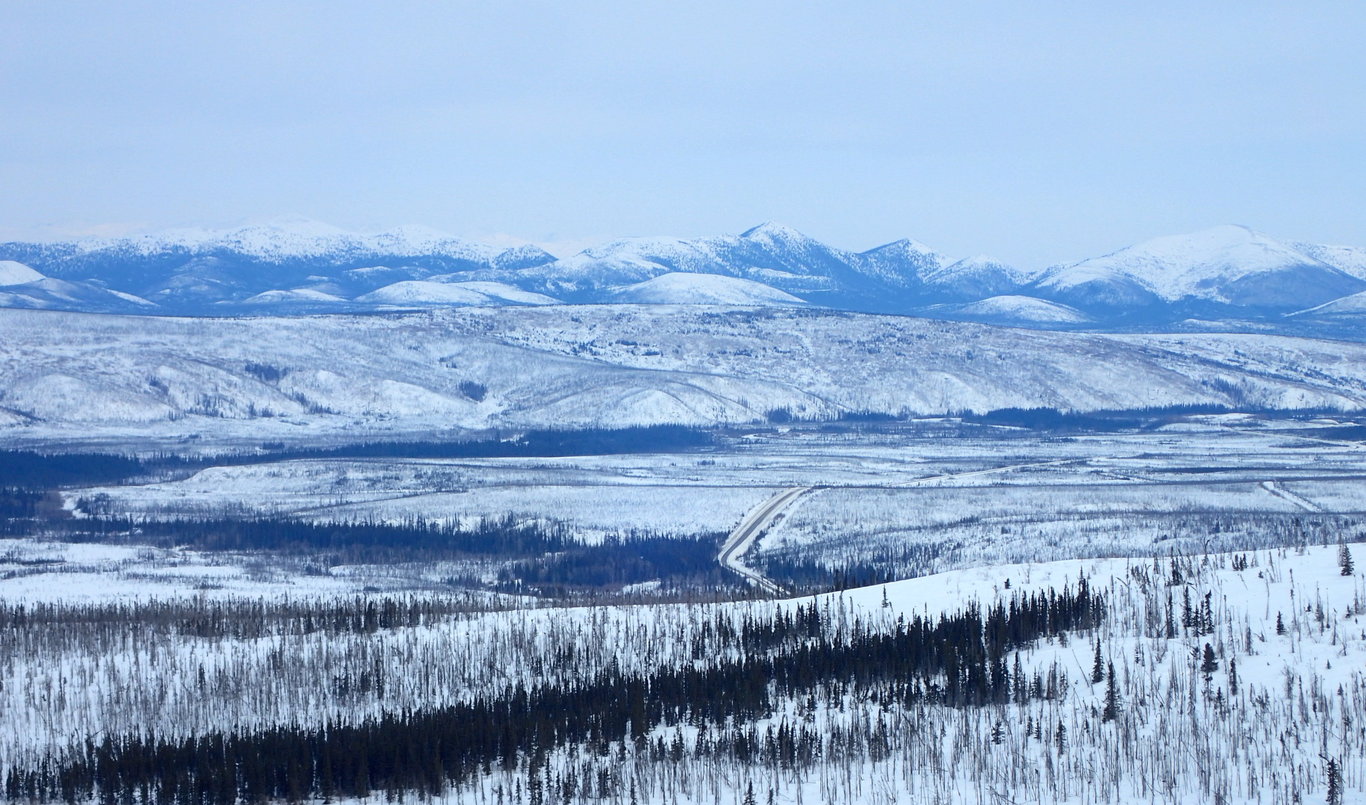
x=1036 y=136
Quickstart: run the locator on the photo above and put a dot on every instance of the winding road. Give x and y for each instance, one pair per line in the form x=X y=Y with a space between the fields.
x=754 y=524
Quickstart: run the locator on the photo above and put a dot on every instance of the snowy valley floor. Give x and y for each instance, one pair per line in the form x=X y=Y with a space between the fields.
x=887 y=502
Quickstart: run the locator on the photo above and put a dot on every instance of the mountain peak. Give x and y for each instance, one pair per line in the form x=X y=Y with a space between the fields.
x=770 y=231
x=1228 y=264
x=905 y=246
x=416 y=232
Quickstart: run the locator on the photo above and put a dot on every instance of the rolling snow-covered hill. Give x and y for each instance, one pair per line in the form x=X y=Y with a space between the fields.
x=1022 y=310
x=440 y=294
x=1223 y=269
x=702 y=289
x=73 y=375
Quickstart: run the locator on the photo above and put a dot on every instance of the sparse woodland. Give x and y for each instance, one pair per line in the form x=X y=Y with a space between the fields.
x=1233 y=677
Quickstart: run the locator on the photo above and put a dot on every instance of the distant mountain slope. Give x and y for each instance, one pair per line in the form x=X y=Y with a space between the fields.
x=1224 y=278
x=1348 y=259
x=12 y=273
x=22 y=287
x=1354 y=305
x=296 y=296
x=702 y=289
x=189 y=271
x=195 y=271
x=887 y=278
x=77 y=376
x=1216 y=269
x=974 y=278
x=1022 y=309
x=424 y=293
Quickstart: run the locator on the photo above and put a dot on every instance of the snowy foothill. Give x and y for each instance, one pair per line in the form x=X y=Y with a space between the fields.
x=74 y=377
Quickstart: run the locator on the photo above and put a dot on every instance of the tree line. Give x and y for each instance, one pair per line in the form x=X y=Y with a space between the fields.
x=30 y=469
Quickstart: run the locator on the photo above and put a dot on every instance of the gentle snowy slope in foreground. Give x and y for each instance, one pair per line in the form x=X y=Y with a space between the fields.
x=1235 y=678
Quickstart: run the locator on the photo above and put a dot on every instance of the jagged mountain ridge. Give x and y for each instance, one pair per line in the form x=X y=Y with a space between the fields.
x=197 y=272
x=889 y=278
x=1224 y=274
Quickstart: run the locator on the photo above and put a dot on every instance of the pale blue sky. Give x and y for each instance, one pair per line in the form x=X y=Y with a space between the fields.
x=1035 y=132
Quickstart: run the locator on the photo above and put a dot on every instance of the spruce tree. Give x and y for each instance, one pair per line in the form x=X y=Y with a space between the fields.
x=1208 y=665
x=1097 y=666
x=1345 y=560
x=1111 y=711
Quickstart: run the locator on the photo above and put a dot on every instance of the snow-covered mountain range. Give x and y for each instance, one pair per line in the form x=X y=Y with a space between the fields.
x=1225 y=277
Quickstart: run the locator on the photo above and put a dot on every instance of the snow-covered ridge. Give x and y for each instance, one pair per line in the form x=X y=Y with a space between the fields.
x=1224 y=277
x=1230 y=265
x=1024 y=309
x=295 y=238
x=612 y=366
x=703 y=289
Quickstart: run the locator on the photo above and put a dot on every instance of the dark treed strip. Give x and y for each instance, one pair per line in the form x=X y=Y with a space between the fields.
x=957 y=660
x=545 y=558
x=414 y=539
x=33 y=470
x=231 y=618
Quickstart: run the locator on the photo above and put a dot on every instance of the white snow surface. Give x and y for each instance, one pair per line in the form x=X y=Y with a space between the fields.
x=15 y=273
x=295 y=296
x=1025 y=309
x=1199 y=265
x=1347 y=305
x=703 y=289
x=1350 y=259
x=428 y=292
x=578 y=366
x=291 y=237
